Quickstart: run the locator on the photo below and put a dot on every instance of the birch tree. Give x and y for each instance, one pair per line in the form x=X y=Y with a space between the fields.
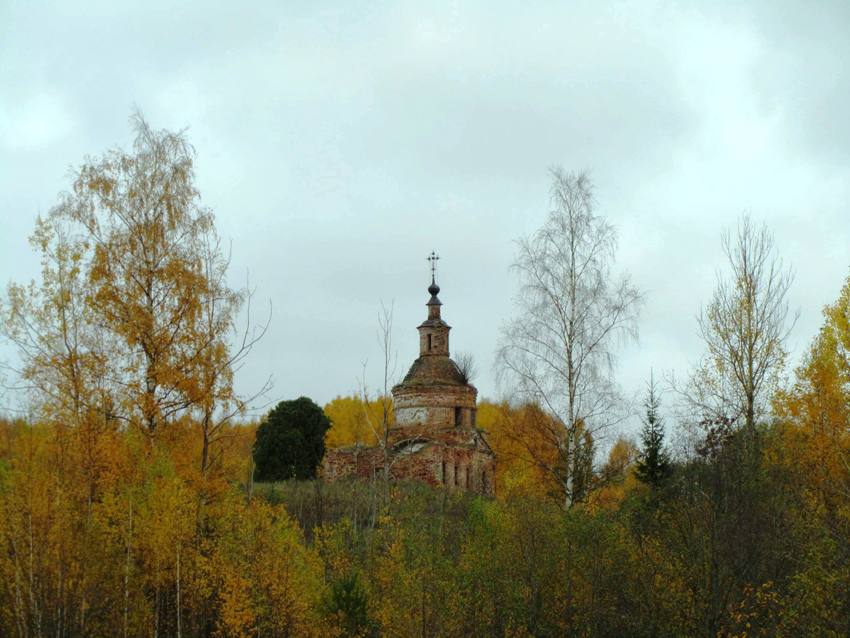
x=744 y=327
x=134 y=319
x=573 y=312
x=142 y=217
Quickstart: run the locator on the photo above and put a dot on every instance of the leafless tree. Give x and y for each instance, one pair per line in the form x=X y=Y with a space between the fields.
x=744 y=328
x=381 y=427
x=467 y=365
x=574 y=312
x=224 y=347
x=380 y=421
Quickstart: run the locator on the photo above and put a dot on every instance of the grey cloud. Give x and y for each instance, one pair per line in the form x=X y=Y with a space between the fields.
x=340 y=143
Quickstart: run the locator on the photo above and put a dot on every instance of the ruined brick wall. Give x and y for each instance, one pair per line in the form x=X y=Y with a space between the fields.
x=420 y=465
x=450 y=466
x=468 y=468
x=450 y=461
x=434 y=405
x=359 y=462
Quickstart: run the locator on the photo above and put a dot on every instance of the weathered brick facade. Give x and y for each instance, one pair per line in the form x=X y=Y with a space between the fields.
x=435 y=439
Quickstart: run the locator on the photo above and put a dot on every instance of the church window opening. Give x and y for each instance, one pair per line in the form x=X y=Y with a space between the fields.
x=458 y=414
x=429 y=342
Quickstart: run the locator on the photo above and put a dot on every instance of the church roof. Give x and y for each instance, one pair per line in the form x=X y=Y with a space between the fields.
x=434 y=323
x=430 y=370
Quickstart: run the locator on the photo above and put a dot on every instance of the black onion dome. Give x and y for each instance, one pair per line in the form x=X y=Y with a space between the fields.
x=434 y=289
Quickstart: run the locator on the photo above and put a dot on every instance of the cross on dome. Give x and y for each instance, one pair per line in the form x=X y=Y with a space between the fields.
x=433 y=258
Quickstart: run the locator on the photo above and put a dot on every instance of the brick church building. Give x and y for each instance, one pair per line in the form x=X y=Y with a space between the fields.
x=434 y=439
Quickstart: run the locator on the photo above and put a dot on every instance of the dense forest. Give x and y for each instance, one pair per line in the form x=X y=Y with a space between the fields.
x=129 y=506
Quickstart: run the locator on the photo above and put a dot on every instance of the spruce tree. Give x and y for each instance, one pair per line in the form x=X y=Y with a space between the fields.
x=654 y=465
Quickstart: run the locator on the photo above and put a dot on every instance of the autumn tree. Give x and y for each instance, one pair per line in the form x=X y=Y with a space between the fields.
x=134 y=322
x=127 y=338
x=520 y=438
x=142 y=216
x=616 y=476
x=65 y=360
x=744 y=328
x=574 y=312
x=351 y=421
x=153 y=277
x=814 y=448
x=818 y=403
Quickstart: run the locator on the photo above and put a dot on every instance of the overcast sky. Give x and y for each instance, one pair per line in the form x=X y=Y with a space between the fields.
x=338 y=144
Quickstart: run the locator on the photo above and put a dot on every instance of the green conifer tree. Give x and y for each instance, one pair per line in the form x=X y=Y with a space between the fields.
x=291 y=441
x=654 y=465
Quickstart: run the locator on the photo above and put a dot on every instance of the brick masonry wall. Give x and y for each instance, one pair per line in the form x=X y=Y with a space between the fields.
x=449 y=460
x=434 y=405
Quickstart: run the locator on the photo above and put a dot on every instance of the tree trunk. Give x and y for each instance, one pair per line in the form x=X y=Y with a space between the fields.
x=205 y=451
x=127 y=570
x=178 y=591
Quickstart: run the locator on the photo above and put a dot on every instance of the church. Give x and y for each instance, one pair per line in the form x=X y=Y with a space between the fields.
x=434 y=439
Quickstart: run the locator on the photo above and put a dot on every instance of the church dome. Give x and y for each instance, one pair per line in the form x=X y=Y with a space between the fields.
x=427 y=371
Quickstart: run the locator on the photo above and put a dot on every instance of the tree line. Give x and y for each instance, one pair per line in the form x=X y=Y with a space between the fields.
x=132 y=501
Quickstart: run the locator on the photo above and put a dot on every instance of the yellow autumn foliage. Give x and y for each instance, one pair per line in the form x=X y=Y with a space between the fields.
x=355 y=422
